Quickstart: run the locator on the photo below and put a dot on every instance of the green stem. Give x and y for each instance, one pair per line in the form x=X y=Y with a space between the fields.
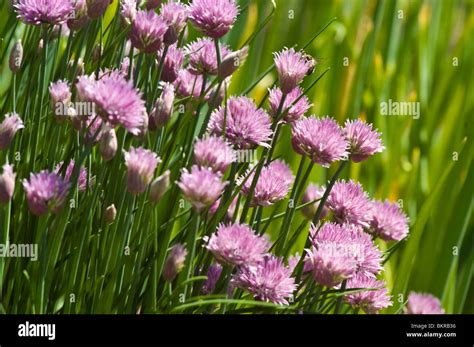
x=191 y=243
x=289 y=216
x=218 y=52
x=43 y=85
x=319 y=211
x=339 y=300
x=14 y=93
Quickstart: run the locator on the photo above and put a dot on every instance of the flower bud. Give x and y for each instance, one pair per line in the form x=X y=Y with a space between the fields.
x=7 y=184
x=96 y=8
x=164 y=106
x=232 y=62
x=152 y=4
x=110 y=214
x=108 y=145
x=175 y=15
x=175 y=262
x=159 y=186
x=78 y=18
x=8 y=128
x=16 y=56
x=171 y=36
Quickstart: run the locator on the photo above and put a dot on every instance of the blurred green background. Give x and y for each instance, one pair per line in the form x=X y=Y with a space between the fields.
x=406 y=51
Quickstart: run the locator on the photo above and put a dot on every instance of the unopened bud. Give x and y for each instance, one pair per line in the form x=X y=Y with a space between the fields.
x=110 y=214
x=7 y=184
x=232 y=62
x=96 y=8
x=108 y=145
x=8 y=128
x=152 y=4
x=159 y=187
x=40 y=46
x=78 y=18
x=16 y=57
x=175 y=262
x=171 y=36
x=163 y=108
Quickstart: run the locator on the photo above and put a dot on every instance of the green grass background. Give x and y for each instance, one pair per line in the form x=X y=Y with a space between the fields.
x=399 y=50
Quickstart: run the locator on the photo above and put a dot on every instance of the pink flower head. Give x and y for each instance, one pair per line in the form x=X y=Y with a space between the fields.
x=141 y=164
x=388 y=221
x=423 y=303
x=313 y=192
x=175 y=262
x=371 y=301
x=213 y=152
x=363 y=141
x=175 y=15
x=8 y=128
x=201 y=187
x=292 y=67
x=45 y=191
x=237 y=244
x=37 y=12
x=214 y=18
x=60 y=92
x=213 y=275
x=331 y=259
x=246 y=126
x=85 y=87
x=7 y=184
x=82 y=179
x=202 y=56
x=293 y=113
x=320 y=139
x=172 y=64
x=128 y=10
x=188 y=84
x=366 y=254
x=118 y=102
x=147 y=31
x=273 y=184
x=349 y=203
x=269 y=280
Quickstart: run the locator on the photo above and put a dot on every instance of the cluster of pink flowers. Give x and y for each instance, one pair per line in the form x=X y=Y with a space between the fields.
x=260 y=273
x=348 y=225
